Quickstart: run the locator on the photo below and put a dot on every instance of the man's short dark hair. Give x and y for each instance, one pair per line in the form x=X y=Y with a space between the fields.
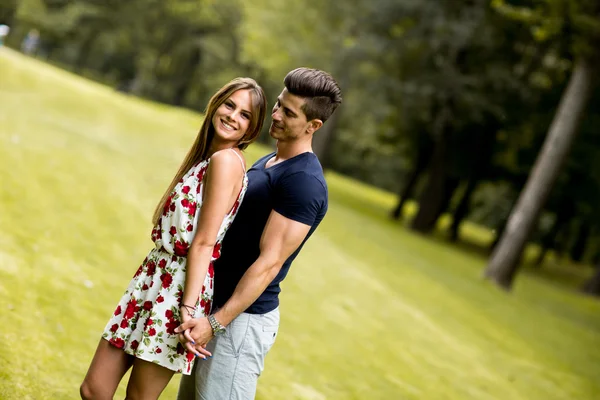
x=321 y=92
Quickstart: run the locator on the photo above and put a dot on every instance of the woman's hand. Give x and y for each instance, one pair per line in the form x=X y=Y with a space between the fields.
x=186 y=340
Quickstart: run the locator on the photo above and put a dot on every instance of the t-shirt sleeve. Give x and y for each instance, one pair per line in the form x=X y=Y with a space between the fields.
x=300 y=197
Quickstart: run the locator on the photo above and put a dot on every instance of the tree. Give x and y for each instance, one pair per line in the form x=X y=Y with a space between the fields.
x=592 y=286
x=504 y=262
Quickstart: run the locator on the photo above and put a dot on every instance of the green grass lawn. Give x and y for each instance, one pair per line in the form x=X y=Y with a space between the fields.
x=369 y=310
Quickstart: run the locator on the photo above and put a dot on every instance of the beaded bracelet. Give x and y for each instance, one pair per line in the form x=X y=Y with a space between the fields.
x=188 y=308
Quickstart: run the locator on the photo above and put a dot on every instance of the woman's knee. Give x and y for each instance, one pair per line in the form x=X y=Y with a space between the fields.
x=90 y=391
x=85 y=391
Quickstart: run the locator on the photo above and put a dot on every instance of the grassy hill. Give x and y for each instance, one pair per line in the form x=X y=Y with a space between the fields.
x=369 y=310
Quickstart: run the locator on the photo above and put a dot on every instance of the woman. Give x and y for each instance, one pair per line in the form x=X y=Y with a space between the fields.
x=174 y=283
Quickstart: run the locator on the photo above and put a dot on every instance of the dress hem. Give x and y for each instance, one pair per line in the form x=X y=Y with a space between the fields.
x=128 y=352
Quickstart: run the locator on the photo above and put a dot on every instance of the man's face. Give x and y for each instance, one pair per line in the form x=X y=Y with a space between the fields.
x=289 y=121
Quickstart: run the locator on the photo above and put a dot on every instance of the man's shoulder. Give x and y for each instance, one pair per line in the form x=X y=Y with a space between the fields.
x=263 y=159
x=307 y=168
x=306 y=177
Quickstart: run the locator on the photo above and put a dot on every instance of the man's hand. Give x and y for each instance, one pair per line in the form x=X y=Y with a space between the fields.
x=195 y=334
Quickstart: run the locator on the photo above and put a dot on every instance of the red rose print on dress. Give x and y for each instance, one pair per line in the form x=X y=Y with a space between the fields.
x=192 y=209
x=190 y=357
x=166 y=279
x=181 y=248
x=235 y=206
x=171 y=325
x=131 y=309
x=216 y=251
x=151 y=268
x=167 y=206
x=117 y=342
x=149 y=307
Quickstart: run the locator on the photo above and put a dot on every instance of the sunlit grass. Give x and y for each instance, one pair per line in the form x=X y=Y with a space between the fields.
x=369 y=310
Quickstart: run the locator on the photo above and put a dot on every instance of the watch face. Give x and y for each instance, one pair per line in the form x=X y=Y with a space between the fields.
x=220 y=331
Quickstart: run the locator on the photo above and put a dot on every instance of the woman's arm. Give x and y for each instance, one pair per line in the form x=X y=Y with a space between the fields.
x=222 y=185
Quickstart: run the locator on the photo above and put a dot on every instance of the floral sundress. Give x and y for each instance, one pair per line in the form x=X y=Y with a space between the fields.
x=144 y=321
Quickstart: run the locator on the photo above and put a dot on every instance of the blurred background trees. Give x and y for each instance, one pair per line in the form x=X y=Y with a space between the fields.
x=446 y=103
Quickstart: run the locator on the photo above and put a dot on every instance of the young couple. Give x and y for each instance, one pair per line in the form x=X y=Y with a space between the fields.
x=224 y=240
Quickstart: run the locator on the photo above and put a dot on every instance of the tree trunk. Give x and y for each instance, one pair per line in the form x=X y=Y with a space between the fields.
x=583 y=234
x=182 y=83
x=323 y=140
x=324 y=137
x=433 y=198
x=550 y=239
x=462 y=209
x=436 y=195
x=483 y=150
x=503 y=263
x=593 y=285
x=501 y=227
x=407 y=190
x=84 y=51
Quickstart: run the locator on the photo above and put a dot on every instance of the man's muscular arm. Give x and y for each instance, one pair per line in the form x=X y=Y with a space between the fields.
x=280 y=238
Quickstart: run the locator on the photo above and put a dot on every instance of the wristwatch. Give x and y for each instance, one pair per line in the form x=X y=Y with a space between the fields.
x=216 y=326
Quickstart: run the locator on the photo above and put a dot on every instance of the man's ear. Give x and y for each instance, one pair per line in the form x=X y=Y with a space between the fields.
x=314 y=125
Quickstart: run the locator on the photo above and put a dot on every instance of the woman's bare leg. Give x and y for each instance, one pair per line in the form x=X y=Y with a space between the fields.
x=106 y=371
x=147 y=380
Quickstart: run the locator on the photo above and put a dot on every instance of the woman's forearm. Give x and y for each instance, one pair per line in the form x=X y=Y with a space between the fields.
x=198 y=260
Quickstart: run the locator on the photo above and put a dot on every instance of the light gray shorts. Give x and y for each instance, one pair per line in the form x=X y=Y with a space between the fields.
x=237 y=362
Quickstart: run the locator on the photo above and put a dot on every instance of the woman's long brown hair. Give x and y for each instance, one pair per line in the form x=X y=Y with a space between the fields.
x=201 y=146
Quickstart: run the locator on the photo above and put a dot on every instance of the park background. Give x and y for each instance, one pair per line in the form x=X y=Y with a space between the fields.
x=460 y=258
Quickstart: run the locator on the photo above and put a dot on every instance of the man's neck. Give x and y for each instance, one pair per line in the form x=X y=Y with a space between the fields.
x=287 y=150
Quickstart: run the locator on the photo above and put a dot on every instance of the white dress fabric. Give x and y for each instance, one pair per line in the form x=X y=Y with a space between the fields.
x=144 y=321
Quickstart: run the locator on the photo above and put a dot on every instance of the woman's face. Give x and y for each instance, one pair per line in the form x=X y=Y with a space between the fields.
x=232 y=118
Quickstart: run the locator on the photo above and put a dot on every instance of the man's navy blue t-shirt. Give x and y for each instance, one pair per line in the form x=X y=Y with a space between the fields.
x=294 y=188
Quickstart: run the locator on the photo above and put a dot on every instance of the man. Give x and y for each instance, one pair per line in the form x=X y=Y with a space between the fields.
x=285 y=202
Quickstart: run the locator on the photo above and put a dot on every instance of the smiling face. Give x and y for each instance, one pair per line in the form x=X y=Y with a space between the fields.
x=232 y=119
x=289 y=121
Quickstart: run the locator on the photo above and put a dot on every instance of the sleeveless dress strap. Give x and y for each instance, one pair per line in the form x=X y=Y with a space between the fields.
x=240 y=158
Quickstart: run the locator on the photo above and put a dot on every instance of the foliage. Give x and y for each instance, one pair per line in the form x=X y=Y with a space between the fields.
x=489 y=72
